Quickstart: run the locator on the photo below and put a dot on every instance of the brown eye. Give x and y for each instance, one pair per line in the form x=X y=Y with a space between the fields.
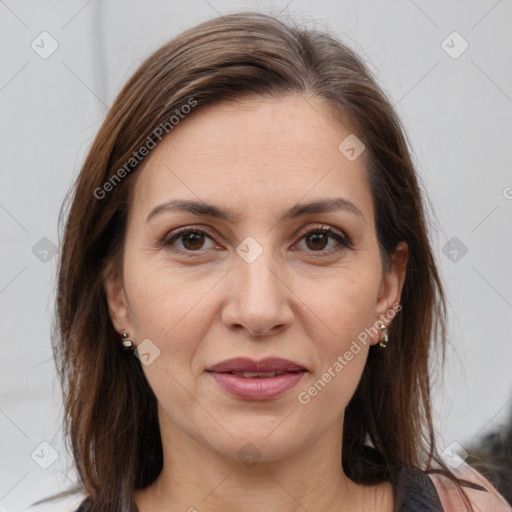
x=317 y=240
x=188 y=240
x=193 y=240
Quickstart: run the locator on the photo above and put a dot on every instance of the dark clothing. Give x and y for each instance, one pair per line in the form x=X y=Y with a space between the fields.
x=415 y=492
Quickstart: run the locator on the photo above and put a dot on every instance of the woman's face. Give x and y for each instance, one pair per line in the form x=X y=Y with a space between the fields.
x=251 y=278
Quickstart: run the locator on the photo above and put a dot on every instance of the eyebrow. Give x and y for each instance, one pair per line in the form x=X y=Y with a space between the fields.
x=201 y=208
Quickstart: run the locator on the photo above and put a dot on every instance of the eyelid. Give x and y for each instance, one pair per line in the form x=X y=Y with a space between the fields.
x=343 y=240
x=327 y=229
x=176 y=233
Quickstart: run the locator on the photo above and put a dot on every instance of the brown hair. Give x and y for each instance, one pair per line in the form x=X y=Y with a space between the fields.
x=110 y=410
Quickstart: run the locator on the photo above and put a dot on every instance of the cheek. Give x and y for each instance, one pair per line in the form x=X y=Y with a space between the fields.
x=343 y=307
x=341 y=344
x=340 y=311
x=168 y=307
x=332 y=389
x=158 y=291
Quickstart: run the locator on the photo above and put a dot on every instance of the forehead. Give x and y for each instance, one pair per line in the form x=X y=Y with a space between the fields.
x=260 y=151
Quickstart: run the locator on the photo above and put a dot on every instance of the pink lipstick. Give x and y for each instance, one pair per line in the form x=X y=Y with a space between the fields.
x=257 y=380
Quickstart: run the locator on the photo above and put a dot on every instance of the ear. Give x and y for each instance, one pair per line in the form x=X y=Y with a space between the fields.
x=116 y=300
x=391 y=287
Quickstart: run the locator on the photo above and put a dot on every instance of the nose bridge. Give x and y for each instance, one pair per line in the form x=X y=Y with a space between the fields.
x=259 y=284
x=257 y=278
x=257 y=297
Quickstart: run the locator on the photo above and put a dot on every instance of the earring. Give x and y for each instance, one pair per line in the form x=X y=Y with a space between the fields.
x=384 y=338
x=127 y=344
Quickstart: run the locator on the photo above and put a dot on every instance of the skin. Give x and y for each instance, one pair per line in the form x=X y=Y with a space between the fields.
x=258 y=157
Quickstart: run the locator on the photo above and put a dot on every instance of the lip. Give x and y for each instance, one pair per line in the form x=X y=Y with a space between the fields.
x=244 y=364
x=257 y=388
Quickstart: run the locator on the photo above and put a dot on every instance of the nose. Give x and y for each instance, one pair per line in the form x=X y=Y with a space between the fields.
x=258 y=298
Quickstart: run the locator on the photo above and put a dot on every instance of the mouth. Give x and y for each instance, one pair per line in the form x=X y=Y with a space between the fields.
x=257 y=380
x=269 y=365
x=261 y=375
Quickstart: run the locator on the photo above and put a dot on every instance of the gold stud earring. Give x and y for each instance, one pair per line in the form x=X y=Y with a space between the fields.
x=127 y=344
x=384 y=338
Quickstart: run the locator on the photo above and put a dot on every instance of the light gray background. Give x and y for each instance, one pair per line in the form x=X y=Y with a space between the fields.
x=457 y=112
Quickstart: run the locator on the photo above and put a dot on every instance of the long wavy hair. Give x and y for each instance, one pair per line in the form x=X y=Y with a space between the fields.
x=110 y=411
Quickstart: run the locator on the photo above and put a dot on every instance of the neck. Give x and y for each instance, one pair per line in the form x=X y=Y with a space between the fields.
x=196 y=478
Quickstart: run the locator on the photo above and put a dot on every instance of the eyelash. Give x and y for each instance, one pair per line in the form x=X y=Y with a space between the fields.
x=322 y=230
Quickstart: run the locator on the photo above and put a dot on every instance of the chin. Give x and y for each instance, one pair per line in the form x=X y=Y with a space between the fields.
x=258 y=440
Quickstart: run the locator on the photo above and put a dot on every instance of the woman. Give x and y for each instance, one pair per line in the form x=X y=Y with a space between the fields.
x=247 y=295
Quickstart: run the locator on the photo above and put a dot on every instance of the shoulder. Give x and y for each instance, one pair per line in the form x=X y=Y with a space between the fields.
x=64 y=502
x=482 y=495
